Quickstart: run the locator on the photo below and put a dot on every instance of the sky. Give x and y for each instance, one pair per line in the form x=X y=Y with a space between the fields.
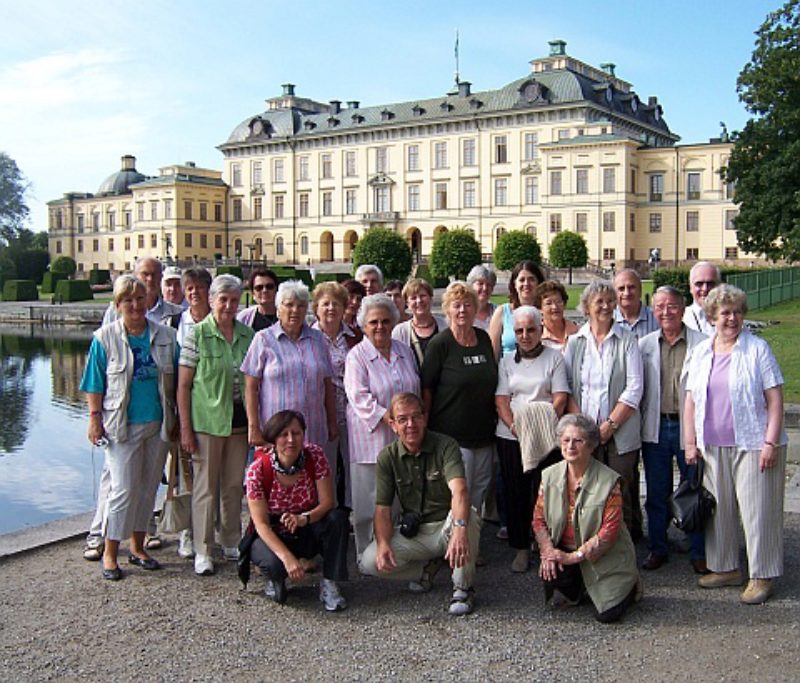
x=83 y=82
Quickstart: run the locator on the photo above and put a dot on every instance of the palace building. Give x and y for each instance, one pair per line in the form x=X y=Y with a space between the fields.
x=568 y=146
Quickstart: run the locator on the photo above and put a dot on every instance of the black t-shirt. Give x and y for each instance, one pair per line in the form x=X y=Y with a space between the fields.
x=261 y=321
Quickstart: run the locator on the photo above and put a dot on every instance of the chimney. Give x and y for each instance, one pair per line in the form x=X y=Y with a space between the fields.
x=353 y=104
x=288 y=89
x=128 y=162
x=609 y=67
x=190 y=164
x=335 y=106
x=558 y=48
x=464 y=88
x=652 y=101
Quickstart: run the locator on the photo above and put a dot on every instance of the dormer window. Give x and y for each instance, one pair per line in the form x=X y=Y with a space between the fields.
x=309 y=125
x=418 y=111
x=475 y=103
x=259 y=127
x=332 y=122
x=357 y=118
x=446 y=106
x=387 y=115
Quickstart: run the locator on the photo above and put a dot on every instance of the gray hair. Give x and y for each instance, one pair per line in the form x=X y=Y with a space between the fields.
x=589 y=428
x=527 y=312
x=628 y=271
x=723 y=295
x=669 y=290
x=366 y=268
x=292 y=289
x=223 y=284
x=593 y=289
x=125 y=285
x=481 y=272
x=139 y=261
x=379 y=300
x=704 y=264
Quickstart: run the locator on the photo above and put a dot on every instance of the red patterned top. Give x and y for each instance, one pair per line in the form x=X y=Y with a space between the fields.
x=300 y=496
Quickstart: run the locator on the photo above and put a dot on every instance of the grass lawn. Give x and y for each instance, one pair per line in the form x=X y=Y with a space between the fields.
x=782 y=338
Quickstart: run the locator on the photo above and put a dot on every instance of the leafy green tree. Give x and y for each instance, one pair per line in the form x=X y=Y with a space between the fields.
x=568 y=250
x=387 y=250
x=765 y=162
x=454 y=253
x=515 y=246
x=13 y=209
x=8 y=270
x=64 y=264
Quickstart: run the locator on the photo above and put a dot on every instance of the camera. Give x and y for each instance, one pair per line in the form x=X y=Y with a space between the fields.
x=409 y=524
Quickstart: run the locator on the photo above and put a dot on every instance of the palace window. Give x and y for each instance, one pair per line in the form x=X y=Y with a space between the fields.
x=656 y=187
x=692 y=221
x=531 y=190
x=468 y=152
x=350 y=202
x=413 y=197
x=440 y=155
x=555 y=222
x=500 y=149
x=582 y=181
x=278 y=173
x=609 y=180
x=500 y=191
x=236 y=175
x=609 y=221
x=655 y=222
x=531 y=146
x=692 y=186
x=441 y=195
x=581 y=222
x=555 y=182
x=413 y=158
x=327 y=203
x=469 y=194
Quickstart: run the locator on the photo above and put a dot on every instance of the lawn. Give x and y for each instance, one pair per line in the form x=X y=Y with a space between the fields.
x=783 y=339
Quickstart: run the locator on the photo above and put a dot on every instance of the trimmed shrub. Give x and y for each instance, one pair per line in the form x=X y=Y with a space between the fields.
x=424 y=272
x=569 y=250
x=231 y=270
x=31 y=264
x=73 y=290
x=331 y=277
x=385 y=249
x=99 y=277
x=20 y=290
x=50 y=280
x=8 y=269
x=674 y=277
x=64 y=264
x=516 y=246
x=454 y=253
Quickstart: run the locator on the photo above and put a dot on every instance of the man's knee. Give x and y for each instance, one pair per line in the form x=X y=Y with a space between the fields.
x=368 y=564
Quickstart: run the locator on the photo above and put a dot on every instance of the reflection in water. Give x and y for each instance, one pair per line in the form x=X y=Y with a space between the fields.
x=47 y=468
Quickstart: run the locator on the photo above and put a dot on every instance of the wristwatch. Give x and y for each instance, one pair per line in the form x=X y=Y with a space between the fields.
x=579 y=554
x=614 y=426
x=460 y=523
x=307 y=516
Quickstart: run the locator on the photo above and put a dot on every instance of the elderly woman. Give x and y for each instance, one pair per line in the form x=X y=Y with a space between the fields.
x=371 y=277
x=330 y=300
x=532 y=389
x=375 y=370
x=418 y=332
x=291 y=500
x=525 y=276
x=394 y=288
x=129 y=382
x=459 y=377
x=584 y=546
x=604 y=369
x=734 y=421
x=551 y=299
x=263 y=284
x=214 y=422
x=288 y=367
x=483 y=280
x=196 y=283
x=356 y=292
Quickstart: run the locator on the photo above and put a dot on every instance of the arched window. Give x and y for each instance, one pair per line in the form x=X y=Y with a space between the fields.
x=304 y=245
x=237 y=248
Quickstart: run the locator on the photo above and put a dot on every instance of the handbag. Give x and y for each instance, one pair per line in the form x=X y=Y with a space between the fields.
x=176 y=515
x=691 y=505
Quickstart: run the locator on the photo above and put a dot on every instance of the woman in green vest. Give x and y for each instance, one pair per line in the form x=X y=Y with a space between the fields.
x=585 y=547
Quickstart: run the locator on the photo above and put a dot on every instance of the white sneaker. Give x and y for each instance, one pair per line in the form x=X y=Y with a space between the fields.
x=330 y=596
x=203 y=565
x=461 y=603
x=230 y=553
x=186 y=544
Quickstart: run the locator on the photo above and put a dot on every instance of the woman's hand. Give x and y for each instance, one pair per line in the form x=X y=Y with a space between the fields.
x=293 y=568
x=293 y=522
x=254 y=436
x=767 y=458
x=96 y=430
x=548 y=569
x=606 y=432
x=692 y=453
x=188 y=440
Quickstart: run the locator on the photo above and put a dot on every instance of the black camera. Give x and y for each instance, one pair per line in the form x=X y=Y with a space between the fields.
x=409 y=524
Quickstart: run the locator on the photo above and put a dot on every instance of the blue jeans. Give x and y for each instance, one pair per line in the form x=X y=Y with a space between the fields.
x=657 y=459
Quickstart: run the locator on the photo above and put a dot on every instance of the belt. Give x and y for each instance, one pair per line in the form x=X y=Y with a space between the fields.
x=670 y=416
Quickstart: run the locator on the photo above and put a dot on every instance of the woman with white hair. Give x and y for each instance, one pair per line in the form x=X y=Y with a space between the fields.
x=377 y=368
x=288 y=367
x=533 y=378
x=213 y=421
x=483 y=279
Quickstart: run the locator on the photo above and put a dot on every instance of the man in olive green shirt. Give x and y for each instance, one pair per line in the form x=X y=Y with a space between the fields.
x=425 y=472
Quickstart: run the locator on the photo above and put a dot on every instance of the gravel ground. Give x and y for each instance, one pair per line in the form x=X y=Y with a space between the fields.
x=60 y=621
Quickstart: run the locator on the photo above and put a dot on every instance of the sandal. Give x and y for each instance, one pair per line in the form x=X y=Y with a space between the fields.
x=152 y=542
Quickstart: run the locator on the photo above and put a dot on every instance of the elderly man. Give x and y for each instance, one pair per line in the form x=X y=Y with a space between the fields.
x=703 y=277
x=171 y=289
x=664 y=356
x=149 y=270
x=371 y=277
x=424 y=469
x=631 y=314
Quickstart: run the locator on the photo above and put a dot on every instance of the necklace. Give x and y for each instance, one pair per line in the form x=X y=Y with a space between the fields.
x=294 y=468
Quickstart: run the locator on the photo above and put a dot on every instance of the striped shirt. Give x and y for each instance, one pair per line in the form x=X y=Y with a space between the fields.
x=338 y=348
x=292 y=375
x=370 y=381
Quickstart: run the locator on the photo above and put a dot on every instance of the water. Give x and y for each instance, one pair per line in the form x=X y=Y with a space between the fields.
x=48 y=469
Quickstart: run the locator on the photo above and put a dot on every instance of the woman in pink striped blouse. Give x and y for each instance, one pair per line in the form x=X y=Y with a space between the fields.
x=376 y=369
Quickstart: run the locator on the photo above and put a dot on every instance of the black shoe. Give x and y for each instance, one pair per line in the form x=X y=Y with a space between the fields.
x=654 y=562
x=114 y=574
x=275 y=590
x=148 y=563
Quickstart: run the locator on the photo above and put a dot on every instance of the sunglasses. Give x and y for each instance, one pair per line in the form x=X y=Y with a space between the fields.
x=710 y=284
x=269 y=287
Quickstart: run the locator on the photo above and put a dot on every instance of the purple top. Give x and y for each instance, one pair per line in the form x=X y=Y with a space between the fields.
x=718 y=426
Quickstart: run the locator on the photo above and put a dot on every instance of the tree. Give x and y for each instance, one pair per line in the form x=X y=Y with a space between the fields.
x=569 y=250
x=454 y=253
x=13 y=209
x=64 y=264
x=765 y=161
x=516 y=246
x=385 y=249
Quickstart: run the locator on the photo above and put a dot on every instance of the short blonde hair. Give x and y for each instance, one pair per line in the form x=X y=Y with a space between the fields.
x=125 y=285
x=415 y=285
x=331 y=289
x=593 y=289
x=456 y=291
x=723 y=295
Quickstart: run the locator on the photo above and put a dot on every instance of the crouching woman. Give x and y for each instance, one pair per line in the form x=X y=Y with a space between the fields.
x=584 y=545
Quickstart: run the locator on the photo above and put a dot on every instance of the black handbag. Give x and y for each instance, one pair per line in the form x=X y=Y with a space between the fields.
x=691 y=505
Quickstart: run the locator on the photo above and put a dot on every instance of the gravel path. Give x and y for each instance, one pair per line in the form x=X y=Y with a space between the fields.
x=60 y=621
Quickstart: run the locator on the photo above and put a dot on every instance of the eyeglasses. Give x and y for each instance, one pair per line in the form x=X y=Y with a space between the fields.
x=708 y=284
x=403 y=420
x=577 y=442
x=269 y=287
x=672 y=308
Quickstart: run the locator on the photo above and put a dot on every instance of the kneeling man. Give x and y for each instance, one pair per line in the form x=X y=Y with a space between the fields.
x=424 y=469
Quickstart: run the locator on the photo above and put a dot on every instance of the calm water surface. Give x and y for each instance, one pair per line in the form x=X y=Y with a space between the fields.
x=48 y=469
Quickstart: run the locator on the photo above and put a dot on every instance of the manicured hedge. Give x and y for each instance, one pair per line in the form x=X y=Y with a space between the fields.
x=331 y=277
x=679 y=277
x=73 y=290
x=231 y=270
x=424 y=272
x=20 y=290
x=99 y=277
x=50 y=280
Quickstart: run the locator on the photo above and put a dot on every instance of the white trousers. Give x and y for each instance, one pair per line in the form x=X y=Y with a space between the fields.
x=362 y=476
x=734 y=477
x=478 y=467
x=135 y=468
x=332 y=448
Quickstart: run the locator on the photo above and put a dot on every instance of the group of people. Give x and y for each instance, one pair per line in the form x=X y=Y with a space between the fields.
x=357 y=398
